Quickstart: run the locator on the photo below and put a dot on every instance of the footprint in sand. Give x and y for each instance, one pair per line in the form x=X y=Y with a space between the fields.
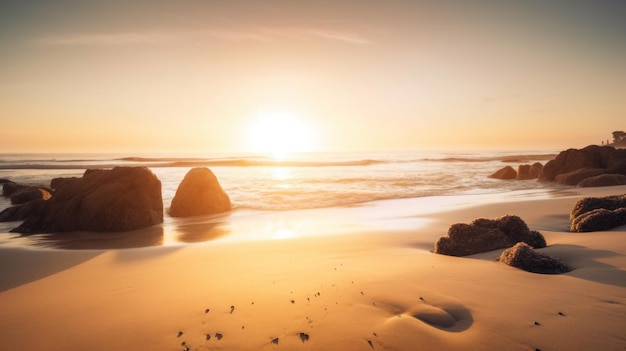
x=438 y=312
x=442 y=314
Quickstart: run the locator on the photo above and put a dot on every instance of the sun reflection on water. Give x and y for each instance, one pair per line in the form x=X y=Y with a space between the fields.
x=281 y=173
x=281 y=229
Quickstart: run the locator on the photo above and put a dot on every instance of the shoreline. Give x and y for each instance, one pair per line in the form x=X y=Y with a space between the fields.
x=375 y=286
x=400 y=214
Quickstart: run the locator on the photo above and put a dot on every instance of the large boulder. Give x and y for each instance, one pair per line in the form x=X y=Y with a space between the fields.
x=587 y=204
x=524 y=257
x=23 y=211
x=57 y=183
x=598 y=213
x=507 y=172
x=606 y=158
x=120 y=199
x=483 y=235
x=198 y=194
x=603 y=180
x=577 y=176
x=598 y=220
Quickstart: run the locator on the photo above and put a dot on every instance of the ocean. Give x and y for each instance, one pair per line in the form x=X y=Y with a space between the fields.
x=263 y=184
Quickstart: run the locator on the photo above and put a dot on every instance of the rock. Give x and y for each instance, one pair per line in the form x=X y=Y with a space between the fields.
x=607 y=158
x=517 y=231
x=28 y=194
x=567 y=161
x=121 y=199
x=199 y=194
x=504 y=173
x=464 y=239
x=587 y=204
x=598 y=220
x=483 y=235
x=575 y=177
x=57 y=183
x=598 y=213
x=523 y=172
x=9 y=188
x=603 y=180
x=535 y=170
x=524 y=257
x=22 y=212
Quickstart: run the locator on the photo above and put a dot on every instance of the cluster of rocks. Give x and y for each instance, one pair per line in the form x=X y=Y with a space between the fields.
x=482 y=235
x=511 y=232
x=591 y=214
x=20 y=193
x=524 y=172
x=591 y=166
x=119 y=199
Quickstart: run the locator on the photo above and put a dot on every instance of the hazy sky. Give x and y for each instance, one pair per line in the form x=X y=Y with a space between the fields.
x=141 y=76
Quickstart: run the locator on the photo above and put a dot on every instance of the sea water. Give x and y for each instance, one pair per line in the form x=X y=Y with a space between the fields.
x=311 y=180
x=262 y=183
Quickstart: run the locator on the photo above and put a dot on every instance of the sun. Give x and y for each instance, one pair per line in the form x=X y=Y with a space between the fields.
x=279 y=133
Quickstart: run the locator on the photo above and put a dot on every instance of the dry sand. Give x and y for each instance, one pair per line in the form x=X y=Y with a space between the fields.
x=356 y=290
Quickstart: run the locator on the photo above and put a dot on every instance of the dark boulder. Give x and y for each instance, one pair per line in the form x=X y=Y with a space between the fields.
x=504 y=173
x=607 y=158
x=603 y=180
x=465 y=239
x=483 y=235
x=587 y=204
x=10 y=187
x=28 y=194
x=57 y=183
x=121 y=199
x=577 y=176
x=598 y=220
x=22 y=212
x=598 y=213
x=199 y=193
x=517 y=230
x=524 y=257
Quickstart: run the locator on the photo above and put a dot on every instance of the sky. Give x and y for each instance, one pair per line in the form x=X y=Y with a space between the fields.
x=246 y=76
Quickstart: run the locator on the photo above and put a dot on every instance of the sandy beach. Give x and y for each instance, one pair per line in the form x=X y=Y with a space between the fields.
x=327 y=287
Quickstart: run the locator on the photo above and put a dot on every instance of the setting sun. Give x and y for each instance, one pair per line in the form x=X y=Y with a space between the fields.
x=279 y=133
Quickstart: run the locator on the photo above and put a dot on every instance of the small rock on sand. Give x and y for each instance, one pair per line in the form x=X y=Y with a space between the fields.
x=304 y=337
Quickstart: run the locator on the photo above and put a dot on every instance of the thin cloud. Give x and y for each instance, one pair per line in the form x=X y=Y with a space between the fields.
x=341 y=36
x=244 y=34
x=103 y=39
x=489 y=99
